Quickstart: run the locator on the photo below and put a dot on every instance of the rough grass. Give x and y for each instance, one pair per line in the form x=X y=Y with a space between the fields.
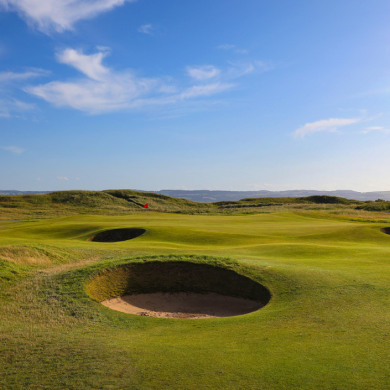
x=89 y=202
x=33 y=255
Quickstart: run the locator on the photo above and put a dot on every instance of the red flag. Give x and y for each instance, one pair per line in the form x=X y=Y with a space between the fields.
x=146 y=206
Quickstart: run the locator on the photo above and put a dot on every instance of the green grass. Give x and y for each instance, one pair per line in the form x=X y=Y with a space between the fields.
x=327 y=325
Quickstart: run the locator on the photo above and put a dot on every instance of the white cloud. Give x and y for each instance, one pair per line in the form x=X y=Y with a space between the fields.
x=39 y=179
x=103 y=48
x=102 y=89
x=11 y=106
x=203 y=72
x=205 y=90
x=375 y=128
x=58 y=15
x=12 y=76
x=90 y=65
x=330 y=125
x=13 y=149
x=234 y=71
x=239 y=69
x=62 y=178
x=146 y=29
x=231 y=47
x=226 y=47
x=242 y=51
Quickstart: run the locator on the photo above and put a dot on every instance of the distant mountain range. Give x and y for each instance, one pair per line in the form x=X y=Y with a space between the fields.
x=217 y=196
x=207 y=196
x=15 y=192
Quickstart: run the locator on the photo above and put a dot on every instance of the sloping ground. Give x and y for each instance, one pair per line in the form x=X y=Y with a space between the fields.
x=89 y=202
x=326 y=327
x=27 y=255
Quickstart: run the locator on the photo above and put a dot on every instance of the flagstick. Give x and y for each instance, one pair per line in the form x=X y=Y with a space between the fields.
x=146 y=206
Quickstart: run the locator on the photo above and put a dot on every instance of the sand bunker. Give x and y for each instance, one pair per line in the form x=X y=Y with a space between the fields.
x=117 y=235
x=182 y=305
x=386 y=230
x=177 y=289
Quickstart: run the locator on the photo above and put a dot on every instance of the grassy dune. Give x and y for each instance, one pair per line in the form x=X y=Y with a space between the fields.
x=327 y=325
x=124 y=202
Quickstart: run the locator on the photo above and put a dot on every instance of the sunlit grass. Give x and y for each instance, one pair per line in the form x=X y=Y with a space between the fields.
x=326 y=326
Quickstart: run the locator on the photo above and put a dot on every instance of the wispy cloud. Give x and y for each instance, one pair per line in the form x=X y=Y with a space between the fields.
x=226 y=47
x=13 y=149
x=239 y=69
x=375 y=128
x=146 y=29
x=329 y=125
x=233 y=48
x=91 y=65
x=233 y=71
x=205 y=90
x=102 y=89
x=63 y=178
x=203 y=72
x=11 y=107
x=58 y=15
x=14 y=77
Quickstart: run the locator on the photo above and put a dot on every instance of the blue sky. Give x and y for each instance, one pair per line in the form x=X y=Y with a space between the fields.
x=222 y=94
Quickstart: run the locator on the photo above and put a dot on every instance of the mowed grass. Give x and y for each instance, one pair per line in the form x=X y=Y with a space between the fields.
x=327 y=325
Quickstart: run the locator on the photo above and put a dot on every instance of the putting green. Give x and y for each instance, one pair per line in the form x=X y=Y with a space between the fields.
x=327 y=325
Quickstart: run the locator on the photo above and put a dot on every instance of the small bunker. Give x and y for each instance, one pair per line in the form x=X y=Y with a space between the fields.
x=177 y=290
x=117 y=235
x=386 y=230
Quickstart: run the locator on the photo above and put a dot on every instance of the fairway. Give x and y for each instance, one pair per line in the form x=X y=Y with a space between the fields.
x=326 y=326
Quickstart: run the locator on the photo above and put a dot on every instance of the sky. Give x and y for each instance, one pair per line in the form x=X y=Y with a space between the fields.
x=219 y=95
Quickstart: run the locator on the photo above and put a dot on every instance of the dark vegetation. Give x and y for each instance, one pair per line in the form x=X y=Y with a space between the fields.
x=378 y=205
x=316 y=199
x=116 y=235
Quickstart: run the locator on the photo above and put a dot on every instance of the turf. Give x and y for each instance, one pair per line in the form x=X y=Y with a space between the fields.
x=327 y=325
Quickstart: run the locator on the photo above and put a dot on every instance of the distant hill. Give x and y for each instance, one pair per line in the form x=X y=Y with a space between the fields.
x=15 y=192
x=206 y=196
x=218 y=196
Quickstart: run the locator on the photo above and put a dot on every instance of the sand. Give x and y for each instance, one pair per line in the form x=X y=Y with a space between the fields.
x=182 y=305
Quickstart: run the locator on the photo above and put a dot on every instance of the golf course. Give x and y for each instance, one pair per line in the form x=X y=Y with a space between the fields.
x=320 y=272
